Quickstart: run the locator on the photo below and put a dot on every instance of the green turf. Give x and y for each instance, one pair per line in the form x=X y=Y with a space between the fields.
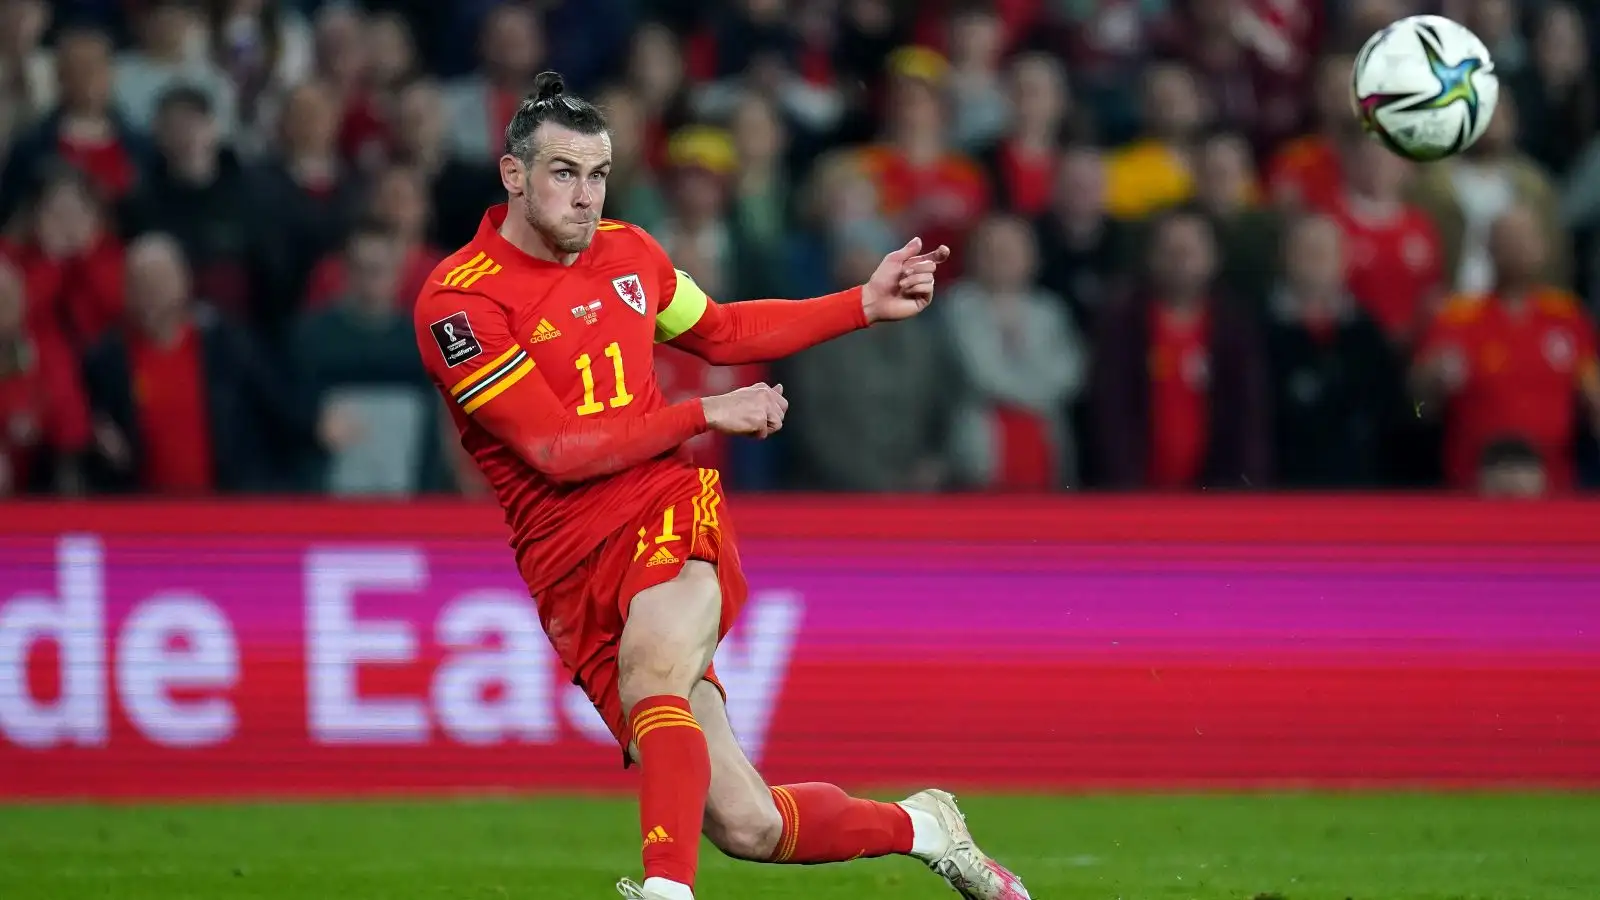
x=1294 y=846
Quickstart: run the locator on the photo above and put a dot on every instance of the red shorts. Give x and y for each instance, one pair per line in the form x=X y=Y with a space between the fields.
x=583 y=612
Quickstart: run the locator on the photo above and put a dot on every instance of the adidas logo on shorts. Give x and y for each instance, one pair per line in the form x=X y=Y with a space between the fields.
x=662 y=557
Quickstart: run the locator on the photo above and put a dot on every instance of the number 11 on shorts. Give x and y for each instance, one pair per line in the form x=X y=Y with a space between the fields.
x=667 y=535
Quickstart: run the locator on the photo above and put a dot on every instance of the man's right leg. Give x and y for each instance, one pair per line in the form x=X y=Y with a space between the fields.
x=667 y=644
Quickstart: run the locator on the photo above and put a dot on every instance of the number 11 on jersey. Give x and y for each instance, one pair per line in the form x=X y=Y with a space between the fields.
x=585 y=368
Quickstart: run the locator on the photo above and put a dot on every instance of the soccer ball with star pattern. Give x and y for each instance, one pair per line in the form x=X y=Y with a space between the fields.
x=1425 y=87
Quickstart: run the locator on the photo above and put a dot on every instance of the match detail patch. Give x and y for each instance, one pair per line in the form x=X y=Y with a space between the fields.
x=453 y=334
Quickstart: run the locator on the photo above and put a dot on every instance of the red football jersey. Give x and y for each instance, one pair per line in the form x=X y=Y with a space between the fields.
x=1394 y=267
x=1520 y=376
x=510 y=337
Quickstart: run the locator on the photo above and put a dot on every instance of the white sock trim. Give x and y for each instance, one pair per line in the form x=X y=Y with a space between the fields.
x=928 y=838
x=667 y=890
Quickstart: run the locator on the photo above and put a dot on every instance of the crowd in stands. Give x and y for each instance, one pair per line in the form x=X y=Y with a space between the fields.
x=1179 y=263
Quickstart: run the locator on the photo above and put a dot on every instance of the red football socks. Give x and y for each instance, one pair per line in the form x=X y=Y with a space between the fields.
x=822 y=824
x=676 y=774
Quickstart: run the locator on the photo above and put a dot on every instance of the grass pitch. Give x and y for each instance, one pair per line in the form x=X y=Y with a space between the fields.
x=1211 y=847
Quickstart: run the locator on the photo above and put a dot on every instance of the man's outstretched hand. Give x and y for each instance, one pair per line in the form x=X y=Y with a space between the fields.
x=903 y=284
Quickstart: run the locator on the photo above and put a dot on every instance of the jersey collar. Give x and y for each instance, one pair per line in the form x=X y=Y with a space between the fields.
x=490 y=239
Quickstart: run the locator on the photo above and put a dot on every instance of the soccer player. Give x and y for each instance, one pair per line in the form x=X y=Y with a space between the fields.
x=540 y=333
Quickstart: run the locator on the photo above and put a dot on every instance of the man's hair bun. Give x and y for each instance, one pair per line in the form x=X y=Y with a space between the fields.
x=548 y=86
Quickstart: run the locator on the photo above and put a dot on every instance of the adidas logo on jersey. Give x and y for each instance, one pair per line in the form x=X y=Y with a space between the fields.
x=545 y=332
x=662 y=557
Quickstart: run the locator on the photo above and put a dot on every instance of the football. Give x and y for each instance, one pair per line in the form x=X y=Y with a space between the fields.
x=1425 y=87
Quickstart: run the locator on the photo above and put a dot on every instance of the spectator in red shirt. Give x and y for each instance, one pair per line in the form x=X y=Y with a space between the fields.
x=398 y=201
x=184 y=398
x=44 y=420
x=1395 y=261
x=926 y=186
x=83 y=130
x=1180 y=384
x=70 y=260
x=1023 y=165
x=1511 y=362
x=1306 y=172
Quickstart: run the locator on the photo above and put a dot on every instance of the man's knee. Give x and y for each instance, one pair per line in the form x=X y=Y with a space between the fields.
x=670 y=635
x=744 y=828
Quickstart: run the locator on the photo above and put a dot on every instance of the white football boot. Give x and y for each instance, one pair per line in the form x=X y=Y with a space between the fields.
x=630 y=890
x=963 y=866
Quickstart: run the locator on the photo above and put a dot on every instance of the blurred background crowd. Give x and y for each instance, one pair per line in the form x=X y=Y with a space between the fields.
x=1179 y=265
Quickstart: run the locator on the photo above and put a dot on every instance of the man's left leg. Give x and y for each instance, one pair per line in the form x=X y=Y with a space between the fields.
x=796 y=823
x=814 y=823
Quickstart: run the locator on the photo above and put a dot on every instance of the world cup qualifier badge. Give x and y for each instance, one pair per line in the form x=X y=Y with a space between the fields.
x=453 y=334
x=631 y=290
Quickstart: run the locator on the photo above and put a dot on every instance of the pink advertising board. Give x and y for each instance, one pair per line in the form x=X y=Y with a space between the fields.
x=246 y=649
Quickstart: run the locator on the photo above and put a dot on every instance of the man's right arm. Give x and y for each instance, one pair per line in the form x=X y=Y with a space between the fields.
x=468 y=348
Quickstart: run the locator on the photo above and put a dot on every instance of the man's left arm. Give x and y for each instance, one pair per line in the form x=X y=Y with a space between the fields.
x=754 y=331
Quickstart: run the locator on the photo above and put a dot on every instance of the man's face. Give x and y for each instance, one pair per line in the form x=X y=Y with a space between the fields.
x=1081 y=183
x=1314 y=257
x=186 y=134
x=1172 y=103
x=374 y=262
x=1037 y=91
x=158 y=283
x=83 y=67
x=1517 y=244
x=1005 y=257
x=563 y=191
x=1226 y=174
x=1185 y=257
x=421 y=125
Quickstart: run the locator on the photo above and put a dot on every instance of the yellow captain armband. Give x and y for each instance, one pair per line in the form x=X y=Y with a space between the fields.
x=687 y=305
